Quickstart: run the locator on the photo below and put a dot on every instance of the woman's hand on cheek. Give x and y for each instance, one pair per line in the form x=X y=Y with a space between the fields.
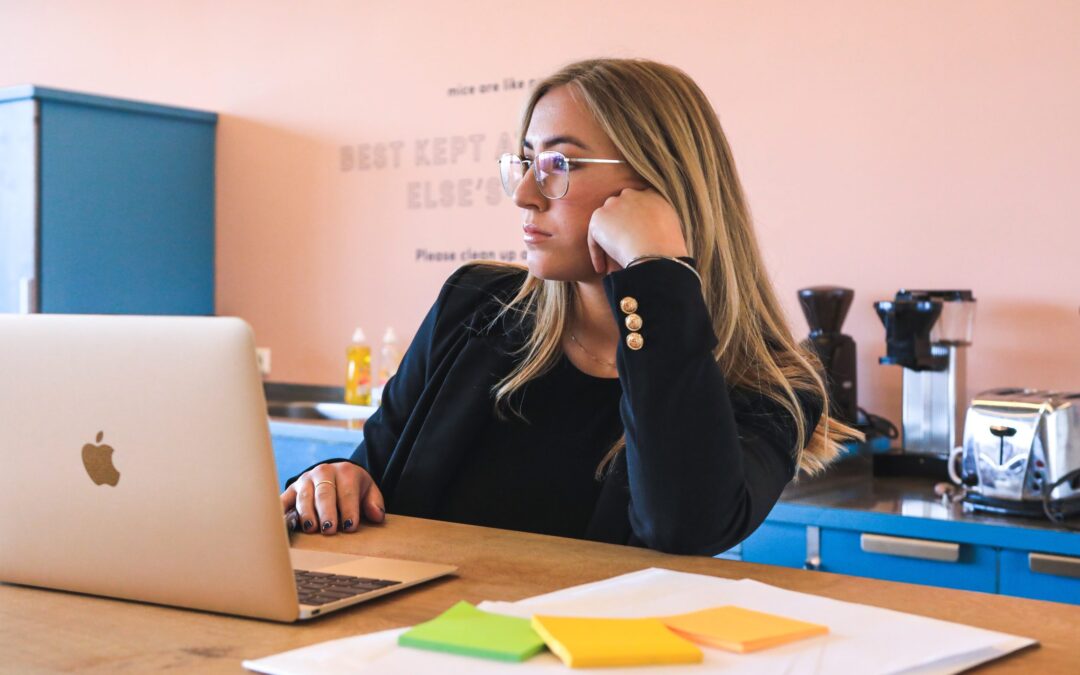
x=630 y=224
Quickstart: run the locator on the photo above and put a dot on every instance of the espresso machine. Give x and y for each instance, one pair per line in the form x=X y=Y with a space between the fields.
x=927 y=333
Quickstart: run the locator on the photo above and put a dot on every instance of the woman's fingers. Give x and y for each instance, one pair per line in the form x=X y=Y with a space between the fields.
x=597 y=254
x=324 y=485
x=288 y=498
x=374 y=506
x=333 y=497
x=348 y=498
x=634 y=223
x=305 y=503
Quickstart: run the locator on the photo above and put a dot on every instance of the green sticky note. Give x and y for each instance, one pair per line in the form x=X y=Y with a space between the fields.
x=464 y=629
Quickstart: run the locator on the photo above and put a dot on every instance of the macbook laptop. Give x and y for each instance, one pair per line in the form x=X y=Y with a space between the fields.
x=135 y=462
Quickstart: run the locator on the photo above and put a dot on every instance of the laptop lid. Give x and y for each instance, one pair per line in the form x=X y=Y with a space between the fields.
x=135 y=462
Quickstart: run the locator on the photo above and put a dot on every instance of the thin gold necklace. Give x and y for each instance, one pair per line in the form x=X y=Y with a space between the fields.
x=574 y=339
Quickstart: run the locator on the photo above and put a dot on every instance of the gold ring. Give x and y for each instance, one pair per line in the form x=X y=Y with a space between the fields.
x=328 y=482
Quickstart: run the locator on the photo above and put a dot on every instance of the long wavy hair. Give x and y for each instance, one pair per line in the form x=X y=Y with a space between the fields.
x=667 y=131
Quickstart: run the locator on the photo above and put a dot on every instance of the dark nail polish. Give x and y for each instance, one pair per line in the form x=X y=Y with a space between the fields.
x=348 y=523
x=326 y=525
x=308 y=525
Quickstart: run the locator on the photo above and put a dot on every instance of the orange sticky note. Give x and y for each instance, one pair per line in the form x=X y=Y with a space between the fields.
x=740 y=630
x=587 y=643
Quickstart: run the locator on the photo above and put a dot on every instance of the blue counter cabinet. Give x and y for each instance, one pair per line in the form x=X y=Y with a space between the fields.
x=297 y=446
x=898 y=530
x=776 y=543
x=868 y=554
x=969 y=567
x=1040 y=575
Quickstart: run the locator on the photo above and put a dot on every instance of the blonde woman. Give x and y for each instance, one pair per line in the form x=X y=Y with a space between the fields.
x=637 y=383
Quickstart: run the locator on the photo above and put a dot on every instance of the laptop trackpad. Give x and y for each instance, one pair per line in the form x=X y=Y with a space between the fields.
x=306 y=559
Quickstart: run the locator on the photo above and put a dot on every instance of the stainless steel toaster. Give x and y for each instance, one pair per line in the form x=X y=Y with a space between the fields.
x=1017 y=444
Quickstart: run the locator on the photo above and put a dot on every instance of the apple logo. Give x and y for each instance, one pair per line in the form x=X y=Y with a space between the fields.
x=98 y=462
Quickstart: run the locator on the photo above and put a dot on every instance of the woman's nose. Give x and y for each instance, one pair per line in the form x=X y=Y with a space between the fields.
x=527 y=194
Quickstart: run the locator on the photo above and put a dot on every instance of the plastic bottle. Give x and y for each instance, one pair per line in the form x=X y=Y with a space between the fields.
x=389 y=358
x=358 y=372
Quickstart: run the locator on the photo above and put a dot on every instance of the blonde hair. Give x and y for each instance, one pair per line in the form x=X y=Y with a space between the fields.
x=667 y=131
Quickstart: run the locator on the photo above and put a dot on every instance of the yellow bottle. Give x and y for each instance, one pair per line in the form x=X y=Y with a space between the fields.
x=358 y=373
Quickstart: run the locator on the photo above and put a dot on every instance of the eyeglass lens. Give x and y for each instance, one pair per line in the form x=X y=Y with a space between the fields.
x=551 y=169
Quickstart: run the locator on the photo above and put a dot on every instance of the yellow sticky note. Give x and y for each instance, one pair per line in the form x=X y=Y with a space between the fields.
x=586 y=643
x=740 y=630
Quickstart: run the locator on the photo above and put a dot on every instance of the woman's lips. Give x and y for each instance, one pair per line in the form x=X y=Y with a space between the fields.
x=534 y=234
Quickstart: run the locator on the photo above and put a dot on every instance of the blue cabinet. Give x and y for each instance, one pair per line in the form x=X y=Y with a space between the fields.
x=1039 y=575
x=297 y=446
x=991 y=555
x=776 y=543
x=106 y=205
x=869 y=554
x=934 y=562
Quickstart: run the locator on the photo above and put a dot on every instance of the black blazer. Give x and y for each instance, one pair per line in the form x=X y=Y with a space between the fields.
x=703 y=465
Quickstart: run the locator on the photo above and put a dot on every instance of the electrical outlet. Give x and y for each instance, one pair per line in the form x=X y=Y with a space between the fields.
x=262 y=357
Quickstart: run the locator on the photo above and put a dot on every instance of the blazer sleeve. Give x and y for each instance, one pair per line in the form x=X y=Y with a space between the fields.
x=445 y=321
x=705 y=463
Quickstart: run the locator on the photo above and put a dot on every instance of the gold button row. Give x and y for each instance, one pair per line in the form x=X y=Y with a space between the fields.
x=629 y=306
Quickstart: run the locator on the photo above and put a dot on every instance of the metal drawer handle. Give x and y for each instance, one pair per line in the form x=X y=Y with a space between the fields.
x=924 y=549
x=1058 y=565
x=27 y=295
x=813 y=548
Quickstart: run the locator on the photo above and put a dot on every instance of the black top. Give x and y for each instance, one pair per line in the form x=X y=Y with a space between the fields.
x=538 y=474
x=704 y=462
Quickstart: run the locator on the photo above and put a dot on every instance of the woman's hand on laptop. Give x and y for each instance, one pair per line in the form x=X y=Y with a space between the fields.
x=332 y=496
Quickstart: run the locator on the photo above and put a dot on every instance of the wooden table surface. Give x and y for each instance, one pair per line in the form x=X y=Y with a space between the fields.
x=49 y=631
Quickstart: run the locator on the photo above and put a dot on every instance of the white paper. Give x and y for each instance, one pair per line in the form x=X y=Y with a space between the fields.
x=862 y=639
x=335 y=657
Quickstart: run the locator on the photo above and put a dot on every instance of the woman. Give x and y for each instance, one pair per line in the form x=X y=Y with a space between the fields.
x=637 y=384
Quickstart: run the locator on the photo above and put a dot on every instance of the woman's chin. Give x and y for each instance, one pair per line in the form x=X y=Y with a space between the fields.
x=543 y=267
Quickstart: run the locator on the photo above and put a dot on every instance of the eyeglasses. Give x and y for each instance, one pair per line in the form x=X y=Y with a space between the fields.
x=551 y=170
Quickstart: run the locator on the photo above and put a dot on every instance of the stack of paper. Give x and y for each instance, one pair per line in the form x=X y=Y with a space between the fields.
x=586 y=643
x=861 y=639
x=464 y=629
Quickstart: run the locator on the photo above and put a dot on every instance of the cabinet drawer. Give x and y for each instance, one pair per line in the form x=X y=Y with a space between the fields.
x=776 y=544
x=1041 y=576
x=918 y=561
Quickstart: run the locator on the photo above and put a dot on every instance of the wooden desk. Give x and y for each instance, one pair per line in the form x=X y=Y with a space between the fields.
x=52 y=631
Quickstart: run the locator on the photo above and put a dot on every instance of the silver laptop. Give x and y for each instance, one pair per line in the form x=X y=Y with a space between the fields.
x=135 y=462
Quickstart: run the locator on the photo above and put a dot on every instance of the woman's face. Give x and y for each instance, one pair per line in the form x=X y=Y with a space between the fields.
x=555 y=230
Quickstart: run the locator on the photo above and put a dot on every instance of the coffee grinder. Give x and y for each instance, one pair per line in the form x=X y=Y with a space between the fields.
x=927 y=333
x=825 y=308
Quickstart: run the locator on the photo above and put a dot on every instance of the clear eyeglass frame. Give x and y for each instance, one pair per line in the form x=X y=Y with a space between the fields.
x=551 y=170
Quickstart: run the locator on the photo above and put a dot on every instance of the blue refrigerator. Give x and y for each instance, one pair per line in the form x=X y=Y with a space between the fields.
x=106 y=205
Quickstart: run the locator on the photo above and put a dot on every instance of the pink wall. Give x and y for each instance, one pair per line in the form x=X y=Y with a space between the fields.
x=883 y=145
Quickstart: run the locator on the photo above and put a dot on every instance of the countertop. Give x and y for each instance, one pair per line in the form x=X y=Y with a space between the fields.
x=849 y=495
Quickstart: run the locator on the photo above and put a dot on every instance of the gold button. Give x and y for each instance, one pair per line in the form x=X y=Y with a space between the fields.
x=635 y=341
x=633 y=322
x=628 y=305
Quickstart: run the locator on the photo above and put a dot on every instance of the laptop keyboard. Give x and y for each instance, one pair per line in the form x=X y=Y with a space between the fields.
x=320 y=588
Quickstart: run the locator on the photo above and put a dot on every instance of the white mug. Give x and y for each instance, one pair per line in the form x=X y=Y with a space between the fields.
x=957 y=453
